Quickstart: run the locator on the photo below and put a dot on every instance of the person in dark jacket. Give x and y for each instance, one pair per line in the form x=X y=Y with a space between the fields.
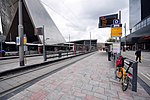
x=138 y=55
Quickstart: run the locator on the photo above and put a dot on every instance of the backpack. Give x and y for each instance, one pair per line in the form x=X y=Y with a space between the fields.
x=119 y=62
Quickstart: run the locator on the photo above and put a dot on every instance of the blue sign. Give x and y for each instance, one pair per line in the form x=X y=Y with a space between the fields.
x=17 y=40
x=116 y=21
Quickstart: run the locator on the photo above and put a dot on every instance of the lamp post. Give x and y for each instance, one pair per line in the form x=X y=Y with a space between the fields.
x=90 y=41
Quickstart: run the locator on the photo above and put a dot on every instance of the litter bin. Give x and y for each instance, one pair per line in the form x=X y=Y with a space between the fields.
x=109 y=55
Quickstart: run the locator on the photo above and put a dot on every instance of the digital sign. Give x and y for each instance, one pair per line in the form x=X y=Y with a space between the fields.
x=107 y=21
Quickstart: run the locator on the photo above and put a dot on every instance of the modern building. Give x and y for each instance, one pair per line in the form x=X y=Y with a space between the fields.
x=85 y=45
x=139 y=24
x=34 y=16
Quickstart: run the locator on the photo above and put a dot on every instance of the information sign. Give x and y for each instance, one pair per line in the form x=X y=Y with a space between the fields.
x=116 y=32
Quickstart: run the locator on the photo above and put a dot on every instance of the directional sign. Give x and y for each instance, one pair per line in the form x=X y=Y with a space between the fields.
x=116 y=32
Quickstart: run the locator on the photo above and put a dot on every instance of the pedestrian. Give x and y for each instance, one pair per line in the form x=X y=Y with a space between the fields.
x=138 y=55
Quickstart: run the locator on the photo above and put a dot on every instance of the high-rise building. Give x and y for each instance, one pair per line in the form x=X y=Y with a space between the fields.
x=34 y=16
x=139 y=24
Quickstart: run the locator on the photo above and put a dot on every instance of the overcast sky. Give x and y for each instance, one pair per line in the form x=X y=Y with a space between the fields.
x=80 y=17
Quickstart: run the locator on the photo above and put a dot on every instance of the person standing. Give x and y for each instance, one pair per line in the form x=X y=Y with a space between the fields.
x=138 y=55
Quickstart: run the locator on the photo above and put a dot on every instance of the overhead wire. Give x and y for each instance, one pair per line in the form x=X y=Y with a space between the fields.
x=67 y=19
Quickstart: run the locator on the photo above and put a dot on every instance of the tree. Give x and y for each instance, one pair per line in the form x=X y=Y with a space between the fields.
x=110 y=40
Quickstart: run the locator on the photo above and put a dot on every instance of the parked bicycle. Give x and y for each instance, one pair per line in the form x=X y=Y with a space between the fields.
x=123 y=74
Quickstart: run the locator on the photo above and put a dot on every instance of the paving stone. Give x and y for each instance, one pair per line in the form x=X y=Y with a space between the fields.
x=100 y=96
x=139 y=98
x=95 y=83
x=87 y=92
x=87 y=87
x=78 y=83
x=105 y=85
x=111 y=93
x=111 y=98
x=67 y=97
x=76 y=89
x=99 y=90
x=39 y=95
x=55 y=95
x=79 y=94
x=27 y=93
x=125 y=95
x=89 y=97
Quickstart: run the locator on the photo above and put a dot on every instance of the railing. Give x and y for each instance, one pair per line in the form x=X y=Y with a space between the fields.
x=133 y=70
x=145 y=22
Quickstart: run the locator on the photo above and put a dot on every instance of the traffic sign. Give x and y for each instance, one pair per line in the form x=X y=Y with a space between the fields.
x=116 y=32
x=17 y=40
x=116 y=21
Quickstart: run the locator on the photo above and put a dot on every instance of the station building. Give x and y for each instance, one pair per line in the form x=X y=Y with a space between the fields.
x=139 y=24
x=34 y=16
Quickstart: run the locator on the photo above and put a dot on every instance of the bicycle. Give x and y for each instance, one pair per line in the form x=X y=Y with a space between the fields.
x=124 y=76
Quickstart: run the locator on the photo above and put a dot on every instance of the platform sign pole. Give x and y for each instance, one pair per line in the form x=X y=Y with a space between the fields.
x=120 y=37
x=44 y=49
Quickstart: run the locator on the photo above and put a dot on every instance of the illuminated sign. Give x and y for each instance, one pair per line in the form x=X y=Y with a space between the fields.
x=116 y=32
x=107 y=21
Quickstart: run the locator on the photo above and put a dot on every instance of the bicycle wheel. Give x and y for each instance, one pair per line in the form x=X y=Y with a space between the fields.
x=125 y=83
x=119 y=73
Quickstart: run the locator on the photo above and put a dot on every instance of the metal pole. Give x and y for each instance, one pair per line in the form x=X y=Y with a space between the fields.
x=20 y=31
x=125 y=36
x=90 y=41
x=69 y=42
x=120 y=37
x=44 y=51
x=1 y=46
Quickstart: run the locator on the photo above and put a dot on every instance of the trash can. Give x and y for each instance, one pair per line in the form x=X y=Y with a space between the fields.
x=109 y=56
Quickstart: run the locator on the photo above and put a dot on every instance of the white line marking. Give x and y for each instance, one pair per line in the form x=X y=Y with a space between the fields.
x=145 y=76
x=148 y=74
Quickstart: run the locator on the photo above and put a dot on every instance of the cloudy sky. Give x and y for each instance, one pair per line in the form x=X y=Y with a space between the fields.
x=80 y=17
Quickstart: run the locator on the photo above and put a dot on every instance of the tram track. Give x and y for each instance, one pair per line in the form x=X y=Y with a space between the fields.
x=23 y=77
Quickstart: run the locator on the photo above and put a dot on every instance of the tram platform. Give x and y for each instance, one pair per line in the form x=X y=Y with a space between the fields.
x=91 y=78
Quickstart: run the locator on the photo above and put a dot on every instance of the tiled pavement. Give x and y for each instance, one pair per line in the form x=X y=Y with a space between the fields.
x=89 y=79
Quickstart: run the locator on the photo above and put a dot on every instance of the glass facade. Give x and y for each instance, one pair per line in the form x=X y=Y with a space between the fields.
x=134 y=12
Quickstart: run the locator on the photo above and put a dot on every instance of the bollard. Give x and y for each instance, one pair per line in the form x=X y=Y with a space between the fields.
x=134 y=80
